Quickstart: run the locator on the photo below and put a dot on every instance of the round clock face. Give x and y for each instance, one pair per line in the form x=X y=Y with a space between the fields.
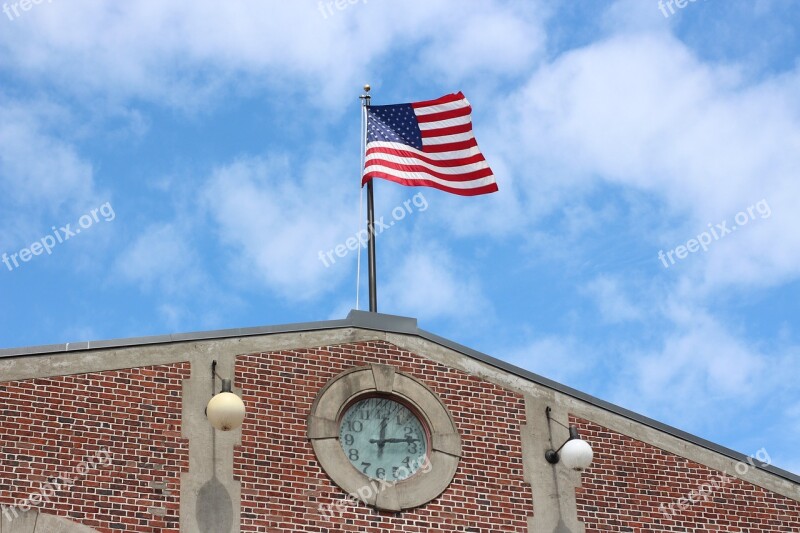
x=383 y=439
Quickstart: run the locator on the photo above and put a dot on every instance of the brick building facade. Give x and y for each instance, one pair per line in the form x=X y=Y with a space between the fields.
x=112 y=436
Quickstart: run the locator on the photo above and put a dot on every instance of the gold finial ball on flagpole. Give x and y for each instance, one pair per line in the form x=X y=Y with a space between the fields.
x=367 y=87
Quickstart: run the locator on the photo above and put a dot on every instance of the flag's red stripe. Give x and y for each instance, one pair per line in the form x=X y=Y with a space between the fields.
x=449 y=147
x=452 y=130
x=483 y=189
x=477 y=158
x=464 y=176
x=455 y=97
x=444 y=115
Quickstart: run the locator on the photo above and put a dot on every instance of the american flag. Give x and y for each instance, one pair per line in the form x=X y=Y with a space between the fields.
x=427 y=143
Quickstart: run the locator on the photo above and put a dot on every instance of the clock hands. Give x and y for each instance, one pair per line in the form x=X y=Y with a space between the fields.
x=381 y=441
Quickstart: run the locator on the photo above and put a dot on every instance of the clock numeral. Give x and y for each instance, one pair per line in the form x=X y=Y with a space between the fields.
x=353 y=454
x=365 y=414
x=412 y=447
x=407 y=462
x=366 y=466
x=394 y=471
x=348 y=439
x=409 y=431
x=380 y=473
x=354 y=426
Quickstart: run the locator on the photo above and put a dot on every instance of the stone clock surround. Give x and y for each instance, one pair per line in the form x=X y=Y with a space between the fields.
x=445 y=442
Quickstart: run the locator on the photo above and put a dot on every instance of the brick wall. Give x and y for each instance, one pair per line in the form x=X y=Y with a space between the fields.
x=283 y=484
x=116 y=435
x=630 y=481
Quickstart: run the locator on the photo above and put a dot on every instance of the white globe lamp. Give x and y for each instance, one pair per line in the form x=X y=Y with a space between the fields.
x=225 y=411
x=576 y=454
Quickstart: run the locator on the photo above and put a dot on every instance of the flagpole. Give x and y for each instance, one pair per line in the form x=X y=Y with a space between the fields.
x=373 y=274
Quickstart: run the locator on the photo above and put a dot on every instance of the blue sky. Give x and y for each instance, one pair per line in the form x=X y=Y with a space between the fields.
x=208 y=152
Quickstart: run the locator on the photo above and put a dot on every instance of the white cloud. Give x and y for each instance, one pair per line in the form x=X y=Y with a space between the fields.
x=429 y=283
x=180 y=52
x=166 y=261
x=613 y=303
x=641 y=112
x=489 y=40
x=698 y=367
x=276 y=219
x=42 y=178
x=558 y=358
x=161 y=258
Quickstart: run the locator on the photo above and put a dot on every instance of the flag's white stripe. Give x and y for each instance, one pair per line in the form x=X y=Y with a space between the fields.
x=431 y=109
x=440 y=156
x=463 y=169
x=412 y=176
x=445 y=139
x=458 y=121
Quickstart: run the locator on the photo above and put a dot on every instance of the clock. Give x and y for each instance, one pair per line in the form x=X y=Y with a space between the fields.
x=383 y=438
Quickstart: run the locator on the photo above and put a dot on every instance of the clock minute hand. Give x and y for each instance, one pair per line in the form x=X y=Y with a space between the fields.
x=408 y=440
